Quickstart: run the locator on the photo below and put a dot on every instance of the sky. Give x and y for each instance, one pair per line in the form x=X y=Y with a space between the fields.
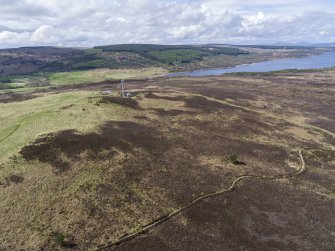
x=87 y=23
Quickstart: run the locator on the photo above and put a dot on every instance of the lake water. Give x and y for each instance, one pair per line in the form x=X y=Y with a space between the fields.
x=323 y=60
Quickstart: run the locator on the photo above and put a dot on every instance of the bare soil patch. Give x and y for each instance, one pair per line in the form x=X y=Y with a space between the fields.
x=14 y=97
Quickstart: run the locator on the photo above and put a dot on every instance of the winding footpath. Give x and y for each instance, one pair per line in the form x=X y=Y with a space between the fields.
x=15 y=128
x=27 y=116
x=222 y=191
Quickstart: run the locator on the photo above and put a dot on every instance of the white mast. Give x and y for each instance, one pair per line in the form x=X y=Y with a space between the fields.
x=123 y=94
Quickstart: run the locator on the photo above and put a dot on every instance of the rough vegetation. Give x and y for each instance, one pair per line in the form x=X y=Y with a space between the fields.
x=79 y=170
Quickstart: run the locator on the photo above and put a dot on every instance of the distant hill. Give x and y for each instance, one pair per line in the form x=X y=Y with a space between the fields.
x=28 y=60
x=278 y=47
x=306 y=44
x=31 y=59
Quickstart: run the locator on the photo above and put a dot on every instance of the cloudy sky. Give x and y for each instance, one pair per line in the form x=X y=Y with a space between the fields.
x=95 y=22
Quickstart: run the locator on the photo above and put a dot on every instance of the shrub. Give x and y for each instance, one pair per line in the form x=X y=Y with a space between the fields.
x=14 y=178
x=59 y=239
x=233 y=159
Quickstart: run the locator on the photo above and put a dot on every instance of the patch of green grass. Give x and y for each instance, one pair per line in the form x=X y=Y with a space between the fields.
x=77 y=77
x=22 y=122
x=40 y=82
x=11 y=86
x=73 y=77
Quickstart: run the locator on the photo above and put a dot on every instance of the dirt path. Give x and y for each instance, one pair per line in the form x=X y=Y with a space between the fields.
x=222 y=191
x=16 y=127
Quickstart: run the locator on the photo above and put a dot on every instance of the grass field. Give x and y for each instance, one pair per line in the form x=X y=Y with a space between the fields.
x=43 y=81
x=91 y=76
x=25 y=121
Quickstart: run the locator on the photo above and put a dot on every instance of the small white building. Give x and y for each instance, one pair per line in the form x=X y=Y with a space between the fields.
x=106 y=92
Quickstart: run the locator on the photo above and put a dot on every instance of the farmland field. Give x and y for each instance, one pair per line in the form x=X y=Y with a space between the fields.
x=43 y=81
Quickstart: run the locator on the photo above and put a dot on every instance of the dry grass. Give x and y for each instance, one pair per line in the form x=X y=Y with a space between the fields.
x=129 y=163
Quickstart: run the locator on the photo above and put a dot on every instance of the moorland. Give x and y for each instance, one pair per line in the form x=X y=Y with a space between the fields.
x=164 y=170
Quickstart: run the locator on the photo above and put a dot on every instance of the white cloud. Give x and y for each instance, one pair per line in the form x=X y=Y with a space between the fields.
x=45 y=33
x=94 y=22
